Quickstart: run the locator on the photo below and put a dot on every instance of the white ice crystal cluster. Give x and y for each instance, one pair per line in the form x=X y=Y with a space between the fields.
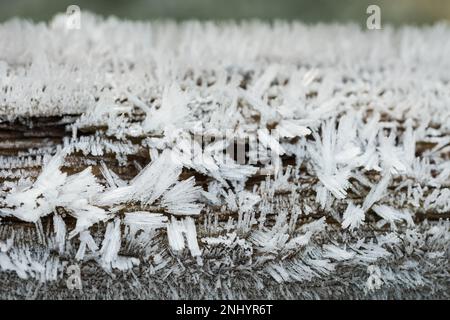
x=245 y=160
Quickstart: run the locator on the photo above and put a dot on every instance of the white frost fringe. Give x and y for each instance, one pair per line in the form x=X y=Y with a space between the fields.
x=349 y=106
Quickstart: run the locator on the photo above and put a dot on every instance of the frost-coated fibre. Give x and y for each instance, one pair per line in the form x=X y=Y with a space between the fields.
x=223 y=160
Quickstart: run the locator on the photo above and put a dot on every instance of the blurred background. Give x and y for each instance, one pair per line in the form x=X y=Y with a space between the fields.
x=311 y=11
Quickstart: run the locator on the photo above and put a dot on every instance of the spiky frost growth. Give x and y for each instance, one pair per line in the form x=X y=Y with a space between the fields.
x=118 y=155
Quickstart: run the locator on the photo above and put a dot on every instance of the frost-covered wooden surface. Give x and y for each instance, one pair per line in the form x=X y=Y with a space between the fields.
x=119 y=154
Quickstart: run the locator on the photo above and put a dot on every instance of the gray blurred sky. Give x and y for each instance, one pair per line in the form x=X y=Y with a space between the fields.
x=393 y=11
